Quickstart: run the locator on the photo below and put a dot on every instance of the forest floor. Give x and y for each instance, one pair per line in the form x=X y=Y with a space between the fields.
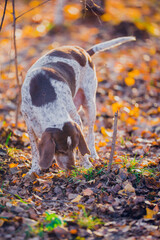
x=86 y=204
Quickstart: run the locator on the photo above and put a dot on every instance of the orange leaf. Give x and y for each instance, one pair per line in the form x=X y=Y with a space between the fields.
x=130 y=121
x=116 y=106
x=12 y=165
x=101 y=144
x=118 y=160
x=73 y=231
x=129 y=81
x=134 y=73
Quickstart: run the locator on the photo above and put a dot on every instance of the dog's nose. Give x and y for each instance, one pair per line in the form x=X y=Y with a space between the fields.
x=65 y=161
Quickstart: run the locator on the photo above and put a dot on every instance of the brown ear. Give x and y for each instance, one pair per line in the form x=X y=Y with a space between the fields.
x=83 y=148
x=46 y=150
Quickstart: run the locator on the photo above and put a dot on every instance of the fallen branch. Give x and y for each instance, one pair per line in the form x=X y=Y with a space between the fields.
x=4 y=12
x=113 y=141
x=32 y=9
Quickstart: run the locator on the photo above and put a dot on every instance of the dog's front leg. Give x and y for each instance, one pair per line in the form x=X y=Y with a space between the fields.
x=34 y=148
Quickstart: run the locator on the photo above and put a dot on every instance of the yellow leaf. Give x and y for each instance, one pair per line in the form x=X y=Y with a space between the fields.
x=77 y=199
x=103 y=131
x=129 y=81
x=134 y=73
x=150 y=213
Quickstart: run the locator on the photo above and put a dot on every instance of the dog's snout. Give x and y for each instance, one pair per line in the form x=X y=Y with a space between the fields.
x=65 y=161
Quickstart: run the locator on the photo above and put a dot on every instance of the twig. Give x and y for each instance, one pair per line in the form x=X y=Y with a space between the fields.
x=4 y=12
x=16 y=62
x=113 y=141
x=14 y=42
x=32 y=8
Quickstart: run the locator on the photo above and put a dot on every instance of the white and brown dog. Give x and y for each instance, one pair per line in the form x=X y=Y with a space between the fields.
x=54 y=89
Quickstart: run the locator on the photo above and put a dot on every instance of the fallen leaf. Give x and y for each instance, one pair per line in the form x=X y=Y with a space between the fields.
x=73 y=231
x=150 y=213
x=128 y=187
x=1 y=222
x=77 y=199
x=13 y=165
x=87 y=192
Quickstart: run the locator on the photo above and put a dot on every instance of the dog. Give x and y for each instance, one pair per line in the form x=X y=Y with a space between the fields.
x=54 y=89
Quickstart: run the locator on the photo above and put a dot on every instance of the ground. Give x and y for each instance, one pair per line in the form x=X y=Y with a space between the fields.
x=86 y=204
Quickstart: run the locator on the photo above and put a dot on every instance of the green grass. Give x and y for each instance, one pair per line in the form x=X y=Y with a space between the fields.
x=8 y=138
x=87 y=174
x=85 y=220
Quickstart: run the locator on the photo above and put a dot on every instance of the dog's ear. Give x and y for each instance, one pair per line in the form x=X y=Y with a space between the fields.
x=82 y=145
x=46 y=150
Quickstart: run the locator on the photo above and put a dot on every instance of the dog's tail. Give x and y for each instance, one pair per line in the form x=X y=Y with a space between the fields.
x=109 y=44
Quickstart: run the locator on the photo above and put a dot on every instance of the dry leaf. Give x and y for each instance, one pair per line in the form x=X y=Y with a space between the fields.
x=150 y=213
x=77 y=199
x=87 y=192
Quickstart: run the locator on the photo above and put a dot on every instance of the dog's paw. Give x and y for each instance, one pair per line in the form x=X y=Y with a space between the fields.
x=86 y=163
x=35 y=170
x=94 y=156
x=32 y=174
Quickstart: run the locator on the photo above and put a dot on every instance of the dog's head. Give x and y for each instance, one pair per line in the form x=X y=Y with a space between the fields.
x=61 y=145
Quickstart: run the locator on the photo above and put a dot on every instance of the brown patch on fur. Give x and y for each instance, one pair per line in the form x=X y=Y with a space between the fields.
x=90 y=62
x=41 y=90
x=75 y=53
x=91 y=52
x=67 y=73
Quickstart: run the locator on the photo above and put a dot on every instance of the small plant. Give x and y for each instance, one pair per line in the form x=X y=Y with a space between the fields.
x=86 y=220
x=124 y=160
x=133 y=164
x=52 y=221
x=122 y=141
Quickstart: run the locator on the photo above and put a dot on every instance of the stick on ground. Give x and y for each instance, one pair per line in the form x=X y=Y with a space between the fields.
x=113 y=141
